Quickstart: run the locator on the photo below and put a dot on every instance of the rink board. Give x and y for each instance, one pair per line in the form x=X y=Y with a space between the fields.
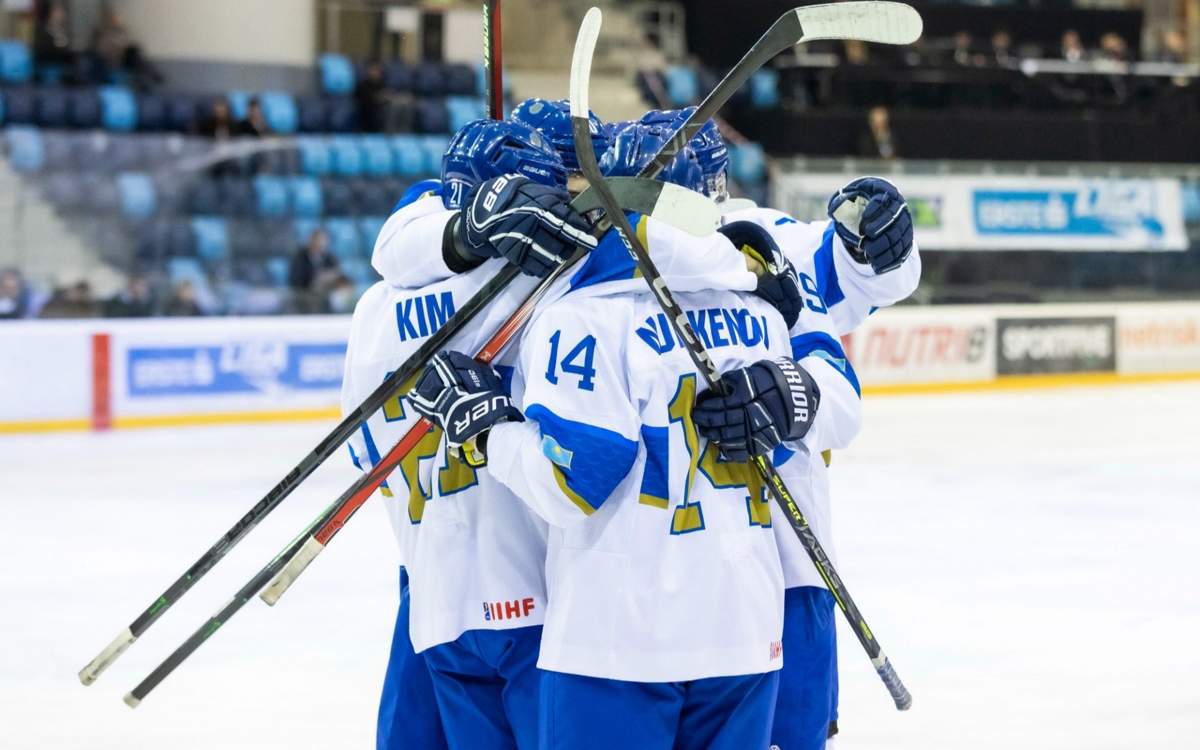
x=98 y=374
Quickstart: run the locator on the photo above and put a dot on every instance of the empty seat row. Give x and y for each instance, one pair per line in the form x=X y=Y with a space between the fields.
x=339 y=74
x=376 y=155
x=215 y=239
x=119 y=109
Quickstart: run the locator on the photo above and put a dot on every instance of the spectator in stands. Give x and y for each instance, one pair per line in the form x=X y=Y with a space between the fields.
x=1113 y=47
x=14 y=297
x=856 y=52
x=255 y=124
x=313 y=273
x=964 y=50
x=183 y=301
x=371 y=97
x=342 y=296
x=134 y=301
x=1002 y=53
x=117 y=53
x=74 y=301
x=219 y=123
x=52 y=39
x=1072 y=46
x=1172 y=47
x=878 y=142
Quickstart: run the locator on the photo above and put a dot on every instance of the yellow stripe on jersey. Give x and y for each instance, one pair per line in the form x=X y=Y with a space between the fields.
x=570 y=494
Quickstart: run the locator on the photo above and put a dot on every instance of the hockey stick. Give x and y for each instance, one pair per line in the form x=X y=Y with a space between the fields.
x=493 y=60
x=670 y=203
x=589 y=32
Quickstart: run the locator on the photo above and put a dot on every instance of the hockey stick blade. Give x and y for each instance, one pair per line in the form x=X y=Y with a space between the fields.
x=585 y=44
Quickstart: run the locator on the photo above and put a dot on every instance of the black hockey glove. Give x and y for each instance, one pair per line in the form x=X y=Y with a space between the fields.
x=769 y=402
x=466 y=399
x=777 y=280
x=873 y=220
x=532 y=226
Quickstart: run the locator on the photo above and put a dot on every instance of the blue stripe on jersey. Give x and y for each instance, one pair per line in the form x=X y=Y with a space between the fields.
x=826 y=270
x=781 y=455
x=354 y=458
x=506 y=376
x=655 y=488
x=417 y=192
x=373 y=457
x=610 y=261
x=600 y=458
x=821 y=344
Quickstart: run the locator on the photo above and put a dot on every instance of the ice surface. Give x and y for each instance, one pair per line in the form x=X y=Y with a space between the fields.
x=1029 y=560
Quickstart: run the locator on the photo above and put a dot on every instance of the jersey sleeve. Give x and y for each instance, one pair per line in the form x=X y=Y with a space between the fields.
x=408 y=250
x=817 y=349
x=580 y=440
x=862 y=290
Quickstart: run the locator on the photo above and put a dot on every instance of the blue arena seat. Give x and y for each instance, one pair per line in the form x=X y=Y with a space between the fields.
x=369 y=227
x=344 y=240
x=271 y=195
x=118 y=108
x=764 y=88
x=429 y=79
x=20 y=106
x=306 y=198
x=347 y=158
x=58 y=150
x=461 y=80
x=377 y=157
x=183 y=112
x=280 y=110
x=431 y=116
x=237 y=197
x=204 y=196
x=747 y=163
x=83 y=109
x=239 y=103
x=371 y=197
x=100 y=194
x=137 y=193
x=16 y=64
x=25 y=148
x=314 y=116
x=434 y=147
x=463 y=109
x=337 y=74
x=52 y=108
x=152 y=112
x=341 y=114
x=212 y=238
x=124 y=152
x=302 y=228
x=277 y=270
x=683 y=87
x=398 y=75
x=409 y=153
x=337 y=197
x=315 y=158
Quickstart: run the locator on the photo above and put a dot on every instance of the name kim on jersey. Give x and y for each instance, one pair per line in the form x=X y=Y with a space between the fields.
x=418 y=317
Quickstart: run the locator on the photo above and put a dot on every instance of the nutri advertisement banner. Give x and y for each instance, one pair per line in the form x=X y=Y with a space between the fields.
x=1019 y=213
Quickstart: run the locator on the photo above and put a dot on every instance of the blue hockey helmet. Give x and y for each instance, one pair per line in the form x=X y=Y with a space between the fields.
x=637 y=143
x=553 y=120
x=708 y=144
x=484 y=149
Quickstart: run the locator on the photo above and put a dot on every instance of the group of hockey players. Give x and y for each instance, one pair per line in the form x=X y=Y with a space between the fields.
x=588 y=560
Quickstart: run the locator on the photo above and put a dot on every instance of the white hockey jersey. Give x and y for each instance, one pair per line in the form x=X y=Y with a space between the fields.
x=839 y=295
x=661 y=565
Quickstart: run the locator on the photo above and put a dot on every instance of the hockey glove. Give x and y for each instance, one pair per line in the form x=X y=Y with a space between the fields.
x=777 y=280
x=466 y=399
x=532 y=226
x=873 y=220
x=767 y=403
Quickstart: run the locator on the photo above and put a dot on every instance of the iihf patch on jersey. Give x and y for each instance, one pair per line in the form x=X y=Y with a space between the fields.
x=556 y=453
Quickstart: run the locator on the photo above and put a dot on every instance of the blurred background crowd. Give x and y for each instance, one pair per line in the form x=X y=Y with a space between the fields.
x=152 y=166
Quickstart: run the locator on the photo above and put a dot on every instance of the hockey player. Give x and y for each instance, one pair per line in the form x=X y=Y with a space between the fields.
x=848 y=267
x=666 y=592
x=487 y=682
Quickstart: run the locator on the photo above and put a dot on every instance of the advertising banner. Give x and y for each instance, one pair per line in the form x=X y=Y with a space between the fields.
x=1033 y=346
x=1018 y=213
x=924 y=345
